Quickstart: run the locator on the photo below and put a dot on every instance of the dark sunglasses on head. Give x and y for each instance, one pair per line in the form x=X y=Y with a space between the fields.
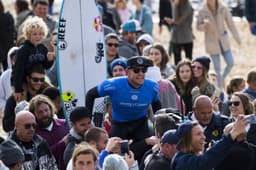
x=197 y=67
x=137 y=69
x=113 y=44
x=29 y=125
x=35 y=79
x=234 y=103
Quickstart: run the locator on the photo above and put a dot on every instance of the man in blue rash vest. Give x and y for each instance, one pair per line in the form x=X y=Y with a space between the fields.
x=130 y=96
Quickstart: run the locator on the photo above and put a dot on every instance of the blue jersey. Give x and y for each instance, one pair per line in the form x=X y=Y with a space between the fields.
x=128 y=103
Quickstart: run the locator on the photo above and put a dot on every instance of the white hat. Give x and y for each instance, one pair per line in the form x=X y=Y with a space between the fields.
x=146 y=37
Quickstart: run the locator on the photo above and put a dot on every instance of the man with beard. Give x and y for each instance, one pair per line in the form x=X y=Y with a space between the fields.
x=51 y=129
x=34 y=84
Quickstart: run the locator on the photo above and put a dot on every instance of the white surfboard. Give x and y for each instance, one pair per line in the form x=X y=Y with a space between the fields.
x=81 y=63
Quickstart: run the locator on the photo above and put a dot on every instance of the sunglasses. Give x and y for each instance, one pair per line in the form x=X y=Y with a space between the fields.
x=234 y=103
x=29 y=125
x=36 y=80
x=113 y=44
x=137 y=69
x=197 y=67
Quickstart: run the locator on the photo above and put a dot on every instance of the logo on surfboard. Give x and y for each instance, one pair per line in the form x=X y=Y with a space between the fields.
x=70 y=101
x=97 y=24
x=100 y=52
x=62 y=45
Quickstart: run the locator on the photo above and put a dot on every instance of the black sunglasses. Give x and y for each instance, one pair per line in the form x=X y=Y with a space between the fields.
x=234 y=103
x=29 y=125
x=137 y=69
x=36 y=80
x=113 y=44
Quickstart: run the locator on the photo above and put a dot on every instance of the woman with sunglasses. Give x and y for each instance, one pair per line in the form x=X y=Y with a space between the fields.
x=236 y=84
x=183 y=82
x=160 y=58
x=212 y=20
x=240 y=104
x=191 y=146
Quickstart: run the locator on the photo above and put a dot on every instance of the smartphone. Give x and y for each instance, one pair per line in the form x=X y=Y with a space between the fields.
x=124 y=144
x=251 y=118
x=217 y=93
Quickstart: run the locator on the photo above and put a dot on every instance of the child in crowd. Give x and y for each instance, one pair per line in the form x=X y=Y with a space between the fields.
x=30 y=53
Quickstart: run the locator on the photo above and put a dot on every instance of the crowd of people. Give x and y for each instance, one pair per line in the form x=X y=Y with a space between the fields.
x=155 y=115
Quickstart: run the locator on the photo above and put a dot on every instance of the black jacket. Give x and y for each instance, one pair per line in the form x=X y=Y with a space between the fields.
x=27 y=56
x=37 y=153
x=158 y=161
x=241 y=157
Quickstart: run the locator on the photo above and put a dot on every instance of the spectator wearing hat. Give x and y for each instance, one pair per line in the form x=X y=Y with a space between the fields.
x=53 y=130
x=191 y=146
x=162 y=159
x=80 y=119
x=144 y=16
x=143 y=41
x=36 y=151
x=130 y=97
x=112 y=47
x=118 y=67
x=212 y=19
x=129 y=32
x=250 y=14
x=200 y=68
x=11 y=155
x=212 y=122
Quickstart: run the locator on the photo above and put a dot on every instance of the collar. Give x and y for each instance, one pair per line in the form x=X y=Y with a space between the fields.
x=75 y=134
x=50 y=127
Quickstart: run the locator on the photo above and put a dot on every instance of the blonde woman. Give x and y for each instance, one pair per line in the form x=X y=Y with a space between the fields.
x=212 y=19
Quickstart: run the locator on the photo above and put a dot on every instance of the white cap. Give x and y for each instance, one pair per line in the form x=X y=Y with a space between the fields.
x=146 y=37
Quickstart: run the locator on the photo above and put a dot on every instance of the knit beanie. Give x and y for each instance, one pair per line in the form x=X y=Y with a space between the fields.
x=205 y=61
x=119 y=61
x=11 y=153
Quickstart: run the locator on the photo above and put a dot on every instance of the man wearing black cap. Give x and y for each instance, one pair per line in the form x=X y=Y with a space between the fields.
x=130 y=97
x=162 y=159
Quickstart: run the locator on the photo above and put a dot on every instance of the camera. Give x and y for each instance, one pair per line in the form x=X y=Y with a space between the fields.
x=124 y=145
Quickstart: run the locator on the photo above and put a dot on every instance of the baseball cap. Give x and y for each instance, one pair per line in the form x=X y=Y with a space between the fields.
x=11 y=153
x=184 y=129
x=145 y=37
x=139 y=61
x=170 y=137
x=112 y=35
x=120 y=61
x=131 y=26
